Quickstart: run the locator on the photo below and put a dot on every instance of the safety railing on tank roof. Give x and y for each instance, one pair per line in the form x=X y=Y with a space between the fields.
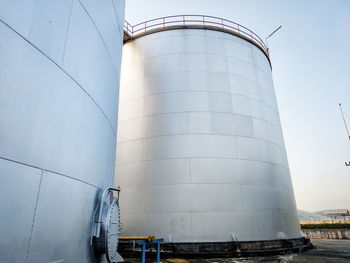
x=194 y=20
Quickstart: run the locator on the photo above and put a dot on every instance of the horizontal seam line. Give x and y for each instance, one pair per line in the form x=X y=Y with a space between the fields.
x=47 y=170
x=182 y=158
x=207 y=71
x=190 y=134
x=211 y=53
x=125 y=186
x=211 y=212
x=201 y=91
x=179 y=112
x=253 y=45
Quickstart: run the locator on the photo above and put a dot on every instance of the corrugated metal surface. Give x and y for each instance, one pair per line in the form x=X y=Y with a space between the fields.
x=200 y=152
x=59 y=76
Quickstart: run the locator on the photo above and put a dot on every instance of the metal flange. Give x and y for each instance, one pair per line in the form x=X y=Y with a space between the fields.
x=106 y=227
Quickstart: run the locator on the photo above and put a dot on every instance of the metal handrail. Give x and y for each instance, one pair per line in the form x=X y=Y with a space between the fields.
x=194 y=20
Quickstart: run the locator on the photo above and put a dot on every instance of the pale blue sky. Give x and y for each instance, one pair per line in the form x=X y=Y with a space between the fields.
x=311 y=70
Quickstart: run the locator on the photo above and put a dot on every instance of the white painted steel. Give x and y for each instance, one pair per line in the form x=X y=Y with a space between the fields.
x=59 y=78
x=200 y=152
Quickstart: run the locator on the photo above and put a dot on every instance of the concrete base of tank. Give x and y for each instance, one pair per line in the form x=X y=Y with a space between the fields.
x=221 y=249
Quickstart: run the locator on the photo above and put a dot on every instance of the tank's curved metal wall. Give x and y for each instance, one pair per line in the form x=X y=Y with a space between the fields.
x=200 y=153
x=59 y=79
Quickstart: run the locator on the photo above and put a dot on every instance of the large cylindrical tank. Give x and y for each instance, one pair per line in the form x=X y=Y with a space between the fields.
x=59 y=82
x=200 y=150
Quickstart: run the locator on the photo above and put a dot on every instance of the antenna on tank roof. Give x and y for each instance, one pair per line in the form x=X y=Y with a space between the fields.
x=346 y=127
x=278 y=28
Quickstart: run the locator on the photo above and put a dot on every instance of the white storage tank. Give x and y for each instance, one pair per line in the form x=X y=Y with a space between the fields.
x=200 y=150
x=59 y=83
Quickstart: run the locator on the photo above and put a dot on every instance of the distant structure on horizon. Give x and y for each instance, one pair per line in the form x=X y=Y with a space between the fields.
x=335 y=213
x=305 y=216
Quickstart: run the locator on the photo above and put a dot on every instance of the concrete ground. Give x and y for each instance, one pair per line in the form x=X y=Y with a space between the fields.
x=325 y=251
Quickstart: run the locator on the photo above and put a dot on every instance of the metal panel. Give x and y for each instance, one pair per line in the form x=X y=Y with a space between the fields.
x=246 y=201
x=131 y=109
x=43 y=23
x=201 y=156
x=48 y=27
x=235 y=223
x=55 y=135
x=161 y=172
x=165 y=124
x=84 y=42
x=107 y=22
x=60 y=230
x=18 y=14
x=19 y=189
x=59 y=82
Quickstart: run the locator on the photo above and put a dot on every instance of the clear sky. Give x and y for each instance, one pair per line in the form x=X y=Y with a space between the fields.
x=311 y=71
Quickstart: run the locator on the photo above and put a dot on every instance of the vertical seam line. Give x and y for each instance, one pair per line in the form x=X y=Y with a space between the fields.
x=100 y=36
x=68 y=25
x=34 y=216
x=116 y=16
x=190 y=163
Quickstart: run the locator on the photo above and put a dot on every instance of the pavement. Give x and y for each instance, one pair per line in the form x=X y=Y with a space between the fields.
x=325 y=251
